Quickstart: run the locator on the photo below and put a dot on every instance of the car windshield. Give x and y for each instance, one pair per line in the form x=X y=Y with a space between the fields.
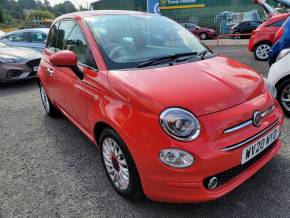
x=126 y=41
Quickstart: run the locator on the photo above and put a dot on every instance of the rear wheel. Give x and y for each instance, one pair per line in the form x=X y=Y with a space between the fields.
x=203 y=36
x=237 y=36
x=283 y=96
x=49 y=108
x=262 y=50
x=119 y=165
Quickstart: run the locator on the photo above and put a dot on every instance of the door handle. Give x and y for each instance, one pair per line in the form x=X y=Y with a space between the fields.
x=50 y=72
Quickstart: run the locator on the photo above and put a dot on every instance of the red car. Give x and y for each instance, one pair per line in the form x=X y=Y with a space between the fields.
x=263 y=37
x=173 y=120
x=202 y=33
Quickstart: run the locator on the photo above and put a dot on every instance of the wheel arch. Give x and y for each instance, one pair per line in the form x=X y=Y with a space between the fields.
x=281 y=80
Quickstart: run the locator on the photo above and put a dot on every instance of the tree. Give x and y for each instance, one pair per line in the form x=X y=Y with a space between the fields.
x=64 y=8
x=1 y=16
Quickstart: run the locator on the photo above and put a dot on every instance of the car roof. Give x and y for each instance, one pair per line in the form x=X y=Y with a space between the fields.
x=44 y=30
x=100 y=13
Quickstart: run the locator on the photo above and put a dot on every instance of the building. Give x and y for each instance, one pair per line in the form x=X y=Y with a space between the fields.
x=219 y=14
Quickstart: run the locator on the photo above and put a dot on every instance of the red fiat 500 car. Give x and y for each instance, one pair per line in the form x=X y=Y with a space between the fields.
x=202 y=33
x=263 y=37
x=173 y=120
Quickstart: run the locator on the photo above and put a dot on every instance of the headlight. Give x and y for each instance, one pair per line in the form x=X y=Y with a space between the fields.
x=271 y=89
x=7 y=59
x=282 y=54
x=176 y=158
x=180 y=124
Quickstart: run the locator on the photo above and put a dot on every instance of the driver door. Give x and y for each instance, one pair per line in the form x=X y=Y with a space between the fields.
x=68 y=86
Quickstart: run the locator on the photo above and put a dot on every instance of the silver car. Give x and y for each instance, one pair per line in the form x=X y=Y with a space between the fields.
x=29 y=38
x=18 y=63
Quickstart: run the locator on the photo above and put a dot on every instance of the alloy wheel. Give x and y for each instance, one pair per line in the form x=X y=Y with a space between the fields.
x=262 y=51
x=285 y=97
x=116 y=164
x=44 y=99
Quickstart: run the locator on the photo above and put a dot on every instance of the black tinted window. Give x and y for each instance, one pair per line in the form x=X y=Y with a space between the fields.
x=51 y=41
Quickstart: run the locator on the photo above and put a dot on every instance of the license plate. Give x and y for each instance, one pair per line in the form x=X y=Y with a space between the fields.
x=253 y=150
x=35 y=69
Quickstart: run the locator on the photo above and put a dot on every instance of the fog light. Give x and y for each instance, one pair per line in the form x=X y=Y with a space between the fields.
x=176 y=158
x=213 y=183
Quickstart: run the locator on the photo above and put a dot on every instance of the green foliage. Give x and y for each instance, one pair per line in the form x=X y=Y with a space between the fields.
x=15 y=13
x=1 y=16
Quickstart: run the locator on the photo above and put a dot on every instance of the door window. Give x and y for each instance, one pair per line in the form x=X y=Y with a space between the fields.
x=277 y=24
x=70 y=37
x=38 y=37
x=18 y=37
x=51 y=41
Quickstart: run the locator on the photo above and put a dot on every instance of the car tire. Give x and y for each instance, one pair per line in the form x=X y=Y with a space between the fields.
x=237 y=37
x=261 y=51
x=203 y=36
x=49 y=108
x=283 y=96
x=119 y=165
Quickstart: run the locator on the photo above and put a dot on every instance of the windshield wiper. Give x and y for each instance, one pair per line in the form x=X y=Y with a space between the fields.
x=203 y=53
x=164 y=59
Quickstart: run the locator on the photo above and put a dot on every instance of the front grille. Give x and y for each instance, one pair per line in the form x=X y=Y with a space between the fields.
x=33 y=63
x=235 y=171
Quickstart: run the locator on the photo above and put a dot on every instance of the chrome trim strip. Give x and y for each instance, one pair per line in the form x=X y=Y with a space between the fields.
x=249 y=122
x=232 y=147
x=241 y=126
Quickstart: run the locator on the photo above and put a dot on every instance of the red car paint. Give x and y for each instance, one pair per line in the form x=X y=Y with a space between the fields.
x=266 y=32
x=221 y=92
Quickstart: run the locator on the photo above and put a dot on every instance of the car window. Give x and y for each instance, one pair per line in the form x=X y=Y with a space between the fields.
x=127 y=41
x=64 y=30
x=51 y=41
x=70 y=37
x=278 y=23
x=38 y=37
x=18 y=37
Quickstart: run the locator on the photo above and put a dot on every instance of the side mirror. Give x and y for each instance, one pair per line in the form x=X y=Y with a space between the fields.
x=64 y=58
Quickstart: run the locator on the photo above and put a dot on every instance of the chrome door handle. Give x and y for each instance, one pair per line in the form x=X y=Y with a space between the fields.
x=50 y=72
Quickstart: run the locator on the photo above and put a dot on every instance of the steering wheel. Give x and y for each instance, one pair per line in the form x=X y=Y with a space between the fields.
x=117 y=52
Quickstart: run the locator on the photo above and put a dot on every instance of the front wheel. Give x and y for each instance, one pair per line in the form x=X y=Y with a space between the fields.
x=283 y=96
x=119 y=165
x=49 y=108
x=261 y=51
x=203 y=36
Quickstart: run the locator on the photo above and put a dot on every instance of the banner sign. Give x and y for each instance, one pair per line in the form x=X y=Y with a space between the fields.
x=180 y=4
x=153 y=6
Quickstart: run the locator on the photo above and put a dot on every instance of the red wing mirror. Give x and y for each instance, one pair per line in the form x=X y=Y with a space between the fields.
x=64 y=58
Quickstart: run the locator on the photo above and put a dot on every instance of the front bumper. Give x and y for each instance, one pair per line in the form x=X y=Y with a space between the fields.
x=19 y=71
x=166 y=184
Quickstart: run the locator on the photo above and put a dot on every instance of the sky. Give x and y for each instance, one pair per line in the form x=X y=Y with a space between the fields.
x=77 y=3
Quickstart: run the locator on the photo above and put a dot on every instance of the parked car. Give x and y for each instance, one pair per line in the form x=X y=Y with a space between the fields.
x=29 y=38
x=202 y=33
x=246 y=27
x=17 y=63
x=173 y=120
x=282 y=41
x=263 y=37
x=279 y=76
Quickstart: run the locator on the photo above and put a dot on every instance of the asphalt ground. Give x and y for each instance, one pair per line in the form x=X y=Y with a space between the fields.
x=48 y=168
